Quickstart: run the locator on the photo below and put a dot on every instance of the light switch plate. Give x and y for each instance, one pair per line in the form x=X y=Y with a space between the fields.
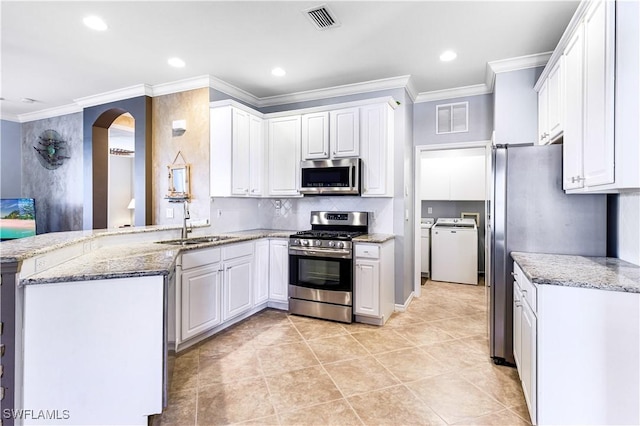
x=169 y=212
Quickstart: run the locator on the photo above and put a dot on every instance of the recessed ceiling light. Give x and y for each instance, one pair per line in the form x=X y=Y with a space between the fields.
x=95 y=23
x=278 y=72
x=176 y=62
x=27 y=100
x=448 y=55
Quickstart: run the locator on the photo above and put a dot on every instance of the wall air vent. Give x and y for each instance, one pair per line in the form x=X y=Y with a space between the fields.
x=322 y=17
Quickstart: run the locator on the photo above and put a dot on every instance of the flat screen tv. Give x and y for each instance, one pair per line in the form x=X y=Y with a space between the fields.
x=17 y=218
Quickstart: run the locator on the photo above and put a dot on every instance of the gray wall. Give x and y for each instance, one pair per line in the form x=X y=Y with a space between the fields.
x=10 y=155
x=480 y=121
x=516 y=106
x=454 y=209
x=58 y=193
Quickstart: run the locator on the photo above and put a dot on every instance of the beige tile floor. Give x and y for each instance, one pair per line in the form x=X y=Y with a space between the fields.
x=428 y=365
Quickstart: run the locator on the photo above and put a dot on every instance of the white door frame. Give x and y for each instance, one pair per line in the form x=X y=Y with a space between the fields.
x=419 y=149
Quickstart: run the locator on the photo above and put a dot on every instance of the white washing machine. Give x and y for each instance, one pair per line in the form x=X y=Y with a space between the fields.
x=425 y=245
x=454 y=251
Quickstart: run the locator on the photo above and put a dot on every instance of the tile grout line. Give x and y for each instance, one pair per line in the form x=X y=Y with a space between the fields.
x=329 y=375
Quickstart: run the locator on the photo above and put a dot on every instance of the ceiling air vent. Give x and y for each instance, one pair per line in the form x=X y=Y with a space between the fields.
x=322 y=17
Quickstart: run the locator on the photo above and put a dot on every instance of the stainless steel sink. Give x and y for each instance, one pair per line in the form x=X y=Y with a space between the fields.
x=195 y=240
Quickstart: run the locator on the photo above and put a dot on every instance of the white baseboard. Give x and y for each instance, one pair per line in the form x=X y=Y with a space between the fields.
x=402 y=308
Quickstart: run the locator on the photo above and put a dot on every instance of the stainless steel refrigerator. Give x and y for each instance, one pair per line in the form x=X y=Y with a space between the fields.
x=530 y=212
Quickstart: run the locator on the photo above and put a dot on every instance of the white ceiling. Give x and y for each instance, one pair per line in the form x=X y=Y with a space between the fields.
x=50 y=56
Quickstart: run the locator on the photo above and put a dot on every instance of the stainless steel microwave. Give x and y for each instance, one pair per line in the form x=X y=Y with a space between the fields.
x=331 y=177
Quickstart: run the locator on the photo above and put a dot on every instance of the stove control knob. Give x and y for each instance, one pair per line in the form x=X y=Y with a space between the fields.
x=331 y=243
x=295 y=242
x=318 y=243
x=304 y=242
x=340 y=244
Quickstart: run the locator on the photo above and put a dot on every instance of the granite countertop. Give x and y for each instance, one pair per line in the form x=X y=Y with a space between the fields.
x=121 y=260
x=603 y=273
x=374 y=238
x=125 y=260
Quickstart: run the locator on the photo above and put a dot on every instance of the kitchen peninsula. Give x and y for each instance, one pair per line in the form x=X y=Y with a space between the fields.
x=90 y=308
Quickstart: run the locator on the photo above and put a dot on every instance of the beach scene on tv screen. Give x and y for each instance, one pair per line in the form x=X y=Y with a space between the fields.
x=17 y=218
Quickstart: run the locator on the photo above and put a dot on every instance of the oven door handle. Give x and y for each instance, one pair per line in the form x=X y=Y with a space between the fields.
x=340 y=254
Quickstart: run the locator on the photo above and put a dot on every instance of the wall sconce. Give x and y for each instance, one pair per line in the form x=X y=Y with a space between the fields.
x=178 y=127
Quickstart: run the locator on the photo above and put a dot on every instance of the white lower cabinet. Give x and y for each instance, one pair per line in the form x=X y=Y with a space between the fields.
x=577 y=353
x=524 y=337
x=261 y=272
x=201 y=289
x=222 y=285
x=279 y=270
x=237 y=287
x=374 y=277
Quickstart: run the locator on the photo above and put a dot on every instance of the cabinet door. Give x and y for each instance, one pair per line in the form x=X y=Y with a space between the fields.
x=543 y=114
x=344 y=131
x=279 y=270
x=467 y=178
x=256 y=156
x=284 y=156
x=517 y=326
x=528 y=359
x=237 y=291
x=261 y=272
x=367 y=288
x=599 y=90
x=315 y=136
x=200 y=300
x=376 y=147
x=555 y=101
x=241 y=152
x=434 y=179
x=573 y=117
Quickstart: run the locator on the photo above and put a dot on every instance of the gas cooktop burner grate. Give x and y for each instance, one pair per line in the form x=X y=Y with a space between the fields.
x=336 y=235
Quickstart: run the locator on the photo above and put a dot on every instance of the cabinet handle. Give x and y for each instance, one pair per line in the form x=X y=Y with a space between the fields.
x=575 y=179
x=324 y=153
x=524 y=291
x=518 y=304
x=334 y=153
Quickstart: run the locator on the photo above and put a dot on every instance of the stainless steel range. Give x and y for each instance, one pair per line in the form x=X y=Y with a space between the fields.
x=321 y=265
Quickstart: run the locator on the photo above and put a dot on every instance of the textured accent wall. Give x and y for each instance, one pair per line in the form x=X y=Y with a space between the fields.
x=58 y=193
x=192 y=106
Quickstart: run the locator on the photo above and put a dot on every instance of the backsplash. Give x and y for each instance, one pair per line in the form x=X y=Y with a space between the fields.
x=236 y=214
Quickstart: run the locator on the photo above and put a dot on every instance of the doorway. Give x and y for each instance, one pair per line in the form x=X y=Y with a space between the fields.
x=435 y=169
x=120 y=198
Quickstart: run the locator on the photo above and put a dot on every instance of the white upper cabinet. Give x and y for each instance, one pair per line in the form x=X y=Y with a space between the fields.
x=237 y=159
x=598 y=108
x=455 y=175
x=598 y=61
x=331 y=134
x=284 y=140
x=315 y=136
x=376 y=140
x=550 y=106
x=344 y=131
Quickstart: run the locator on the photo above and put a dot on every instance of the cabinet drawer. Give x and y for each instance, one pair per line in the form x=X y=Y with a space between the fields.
x=368 y=251
x=529 y=291
x=237 y=250
x=200 y=257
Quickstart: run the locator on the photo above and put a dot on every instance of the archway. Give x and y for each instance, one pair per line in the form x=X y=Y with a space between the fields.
x=97 y=121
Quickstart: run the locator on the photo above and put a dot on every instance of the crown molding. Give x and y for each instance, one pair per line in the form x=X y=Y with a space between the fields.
x=49 y=113
x=231 y=90
x=9 y=117
x=115 y=95
x=184 y=85
x=456 y=92
x=336 y=91
x=515 y=64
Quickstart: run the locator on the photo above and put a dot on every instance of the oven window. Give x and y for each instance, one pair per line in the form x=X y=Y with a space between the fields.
x=321 y=273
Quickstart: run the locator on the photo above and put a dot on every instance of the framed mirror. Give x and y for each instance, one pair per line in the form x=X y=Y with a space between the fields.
x=179 y=181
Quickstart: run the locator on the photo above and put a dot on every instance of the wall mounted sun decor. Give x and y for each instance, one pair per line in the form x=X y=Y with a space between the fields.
x=51 y=149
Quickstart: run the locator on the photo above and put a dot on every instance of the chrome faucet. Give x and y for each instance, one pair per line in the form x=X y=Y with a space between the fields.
x=185 y=217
